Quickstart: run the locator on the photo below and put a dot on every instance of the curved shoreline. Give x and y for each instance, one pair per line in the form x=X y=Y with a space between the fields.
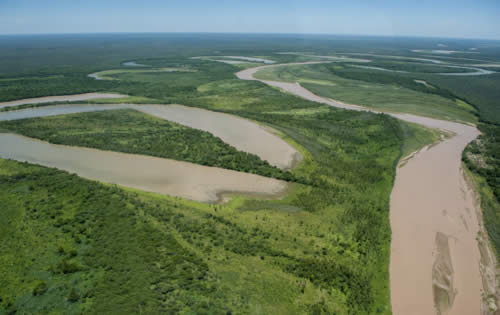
x=167 y=176
x=476 y=70
x=434 y=251
x=240 y=133
x=148 y=173
x=430 y=199
x=60 y=98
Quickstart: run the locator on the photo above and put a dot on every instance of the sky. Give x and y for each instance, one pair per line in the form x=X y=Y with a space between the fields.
x=432 y=18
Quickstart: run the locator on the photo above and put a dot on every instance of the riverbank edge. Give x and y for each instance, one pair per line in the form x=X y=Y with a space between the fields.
x=489 y=264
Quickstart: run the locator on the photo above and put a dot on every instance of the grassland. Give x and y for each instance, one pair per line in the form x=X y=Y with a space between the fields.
x=321 y=80
x=481 y=91
x=415 y=67
x=417 y=137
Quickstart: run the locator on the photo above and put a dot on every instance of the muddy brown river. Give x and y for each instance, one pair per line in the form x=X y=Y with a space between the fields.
x=62 y=98
x=146 y=173
x=243 y=134
x=435 y=219
x=152 y=174
x=435 y=259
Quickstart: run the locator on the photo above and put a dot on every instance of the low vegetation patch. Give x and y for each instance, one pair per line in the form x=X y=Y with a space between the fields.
x=371 y=88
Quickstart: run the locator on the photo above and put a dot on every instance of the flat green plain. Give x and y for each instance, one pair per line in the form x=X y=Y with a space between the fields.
x=392 y=98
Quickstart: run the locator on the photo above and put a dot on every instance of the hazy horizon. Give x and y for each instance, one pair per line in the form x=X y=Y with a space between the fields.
x=257 y=33
x=446 y=19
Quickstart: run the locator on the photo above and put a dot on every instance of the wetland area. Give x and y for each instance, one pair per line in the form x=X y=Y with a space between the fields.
x=212 y=178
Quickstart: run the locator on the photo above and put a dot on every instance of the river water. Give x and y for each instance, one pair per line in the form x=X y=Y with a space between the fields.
x=243 y=134
x=146 y=173
x=152 y=174
x=435 y=258
x=62 y=98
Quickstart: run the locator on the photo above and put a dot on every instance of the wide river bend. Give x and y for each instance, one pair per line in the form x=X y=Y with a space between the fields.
x=435 y=258
x=166 y=176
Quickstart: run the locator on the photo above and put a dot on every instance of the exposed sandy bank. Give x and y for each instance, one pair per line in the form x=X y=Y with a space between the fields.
x=442 y=275
x=430 y=198
x=187 y=180
x=62 y=98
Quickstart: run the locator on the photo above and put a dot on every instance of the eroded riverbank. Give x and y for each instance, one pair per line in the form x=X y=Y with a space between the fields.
x=430 y=202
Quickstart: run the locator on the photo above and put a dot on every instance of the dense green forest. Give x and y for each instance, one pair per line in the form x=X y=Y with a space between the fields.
x=130 y=131
x=478 y=95
x=71 y=245
x=326 y=246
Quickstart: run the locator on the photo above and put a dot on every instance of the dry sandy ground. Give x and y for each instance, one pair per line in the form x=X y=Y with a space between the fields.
x=435 y=221
x=62 y=98
x=187 y=180
x=242 y=134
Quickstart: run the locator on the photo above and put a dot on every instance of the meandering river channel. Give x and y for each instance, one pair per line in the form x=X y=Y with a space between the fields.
x=435 y=259
x=171 y=177
x=62 y=98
